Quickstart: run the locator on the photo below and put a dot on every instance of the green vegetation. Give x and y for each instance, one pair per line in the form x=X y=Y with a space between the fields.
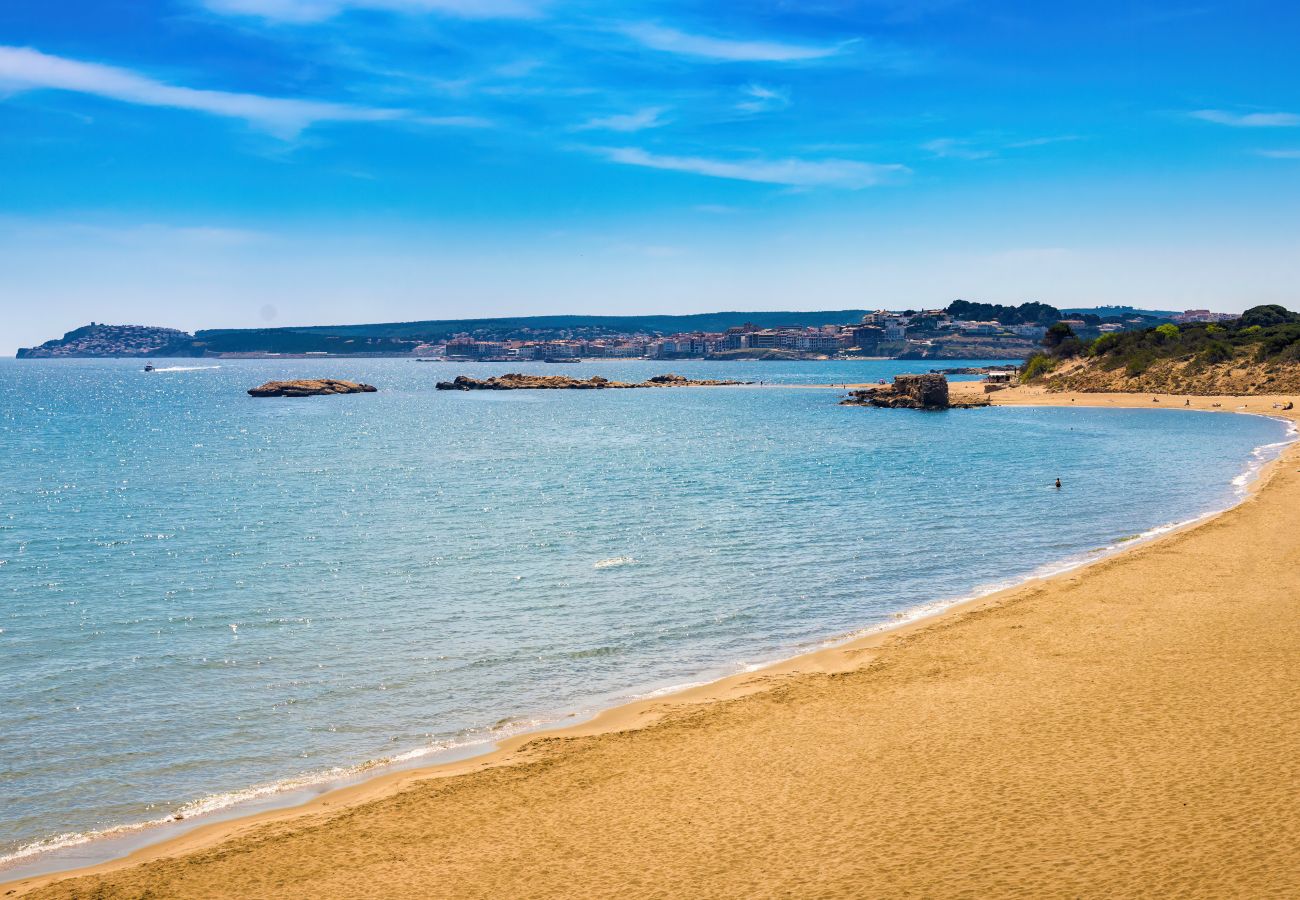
x=1025 y=314
x=1264 y=334
x=535 y=327
x=1037 y=365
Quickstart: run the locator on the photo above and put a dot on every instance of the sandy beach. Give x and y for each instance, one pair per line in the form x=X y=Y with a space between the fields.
x=1124 y=729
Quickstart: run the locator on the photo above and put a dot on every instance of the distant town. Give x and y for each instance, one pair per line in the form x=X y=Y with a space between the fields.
x=962 y=330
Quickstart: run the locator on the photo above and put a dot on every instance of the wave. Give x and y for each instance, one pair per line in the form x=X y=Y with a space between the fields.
x=1263 y=454
x=475 y=741
x=205 y=807
x=184 y=368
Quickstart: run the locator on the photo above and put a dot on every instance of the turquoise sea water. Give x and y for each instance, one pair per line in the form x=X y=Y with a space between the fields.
x=206 y=597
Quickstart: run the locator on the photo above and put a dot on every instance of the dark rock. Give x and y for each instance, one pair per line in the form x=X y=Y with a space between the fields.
x=908 y=392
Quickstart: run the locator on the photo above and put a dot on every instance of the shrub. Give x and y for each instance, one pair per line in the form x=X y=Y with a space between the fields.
x=1167 y=332
x=1105 y=344
x=1215 y=352
x=1139 y=362
x=1036 y=366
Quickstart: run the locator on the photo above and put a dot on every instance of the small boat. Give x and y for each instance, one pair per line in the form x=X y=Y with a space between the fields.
x=148 y=367
x=562 y=359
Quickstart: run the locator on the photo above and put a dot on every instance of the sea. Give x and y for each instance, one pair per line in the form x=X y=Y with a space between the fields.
x=211 y=603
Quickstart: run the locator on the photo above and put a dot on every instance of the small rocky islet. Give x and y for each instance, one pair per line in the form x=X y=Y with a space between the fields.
x=909 y=392
x=310 y=387
x=515 y=381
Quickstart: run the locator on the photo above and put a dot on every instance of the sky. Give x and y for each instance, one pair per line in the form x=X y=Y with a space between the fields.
x=240 y=163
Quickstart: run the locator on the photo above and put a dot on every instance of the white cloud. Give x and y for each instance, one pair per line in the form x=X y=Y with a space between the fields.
x=319 y=10
x=763 y=99
x=1042 y=141
x=1248 y=120
x=453 y=121
x=834 y=173
x=1281 y=154
x=649 y=117
x=22 y=69
x=965 y=148
x=952 y=148
x=670 y=40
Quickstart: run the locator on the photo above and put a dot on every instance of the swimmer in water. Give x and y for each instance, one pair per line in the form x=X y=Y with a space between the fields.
x=1058 y=484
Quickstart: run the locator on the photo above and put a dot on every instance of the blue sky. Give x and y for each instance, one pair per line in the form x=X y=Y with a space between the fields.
x=206 y=163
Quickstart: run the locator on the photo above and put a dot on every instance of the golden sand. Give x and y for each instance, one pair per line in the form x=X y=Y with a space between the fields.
x=1131 y=729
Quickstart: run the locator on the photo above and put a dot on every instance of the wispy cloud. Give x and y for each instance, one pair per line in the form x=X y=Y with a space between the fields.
x=955 y=148
x=1281 y=154
x=145 y=234
x=453 y=121
x=1248 y=120
x=650 y=117
x=831 y=173
x=986 y=147
x=670 y=40
x=763 y=99
x=319 y=10
x=23 y=69
x=1041 y=141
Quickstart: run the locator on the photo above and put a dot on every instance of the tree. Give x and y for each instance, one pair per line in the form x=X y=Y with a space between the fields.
x=1270 y=314
x=1057 y=335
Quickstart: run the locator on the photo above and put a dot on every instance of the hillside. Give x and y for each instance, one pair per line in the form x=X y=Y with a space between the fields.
x=1256 y=354
x=1169 y=376
x=114 y=340
x=524 y=327
x=402 y=338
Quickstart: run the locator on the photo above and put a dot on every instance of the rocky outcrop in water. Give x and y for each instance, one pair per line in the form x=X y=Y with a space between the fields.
x=310 y=387
x=515 y=381
x=909 y=392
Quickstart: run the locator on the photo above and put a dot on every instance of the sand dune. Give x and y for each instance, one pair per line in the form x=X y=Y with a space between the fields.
x=1129 y=729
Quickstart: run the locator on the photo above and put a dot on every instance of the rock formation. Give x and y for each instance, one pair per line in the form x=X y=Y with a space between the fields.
x=909 y=392
x=310 y=387
x=515 y=381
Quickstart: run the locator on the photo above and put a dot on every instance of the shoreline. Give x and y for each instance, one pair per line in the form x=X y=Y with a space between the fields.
x=836 y=656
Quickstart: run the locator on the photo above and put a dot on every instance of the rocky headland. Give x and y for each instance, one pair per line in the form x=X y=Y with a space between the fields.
x=310 y=387
x=95 y=340
x=515 y=381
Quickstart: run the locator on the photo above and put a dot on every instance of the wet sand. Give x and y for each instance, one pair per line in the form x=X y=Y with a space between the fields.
x=1125 y=729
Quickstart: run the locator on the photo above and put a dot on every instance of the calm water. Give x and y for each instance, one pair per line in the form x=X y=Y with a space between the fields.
x=202 y=593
